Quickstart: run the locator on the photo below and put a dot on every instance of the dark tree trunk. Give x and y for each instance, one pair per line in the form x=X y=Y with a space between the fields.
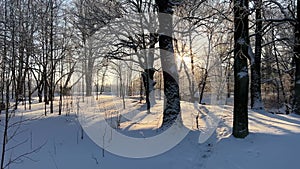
x=13 y=52
x=279 y=83
x=2 y=104
x=297 y=62
x=6 y=124
x=228 y=74
x=205 y=76
x=170 y=72
x=89 y=69
x=61 y=89
x=89 y=78
x=192 y=85
x=45 y=65
x=51 y=84
x=203 y=84
x=149 y=83
x=241 y=77
x=141 y=90
x=29 y=90
x=102 y=80
x=256 y=101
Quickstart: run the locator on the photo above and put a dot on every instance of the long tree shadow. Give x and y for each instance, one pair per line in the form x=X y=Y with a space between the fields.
x=278 y=122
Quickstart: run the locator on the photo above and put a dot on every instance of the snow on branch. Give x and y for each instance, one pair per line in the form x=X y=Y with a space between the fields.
x=283 y=10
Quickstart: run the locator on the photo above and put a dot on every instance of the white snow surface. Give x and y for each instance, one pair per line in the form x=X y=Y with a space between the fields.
x=273 y=142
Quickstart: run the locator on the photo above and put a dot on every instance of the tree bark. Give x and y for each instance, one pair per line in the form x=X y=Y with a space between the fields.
x=256 y=101
x=297 y=62
x=169 y=67
x=149 y=83
x=241 y=77
x=3 y=105
x=202 y=85
x=51 y=84
x=88 y=82
x=102 y=80
x=89 y=70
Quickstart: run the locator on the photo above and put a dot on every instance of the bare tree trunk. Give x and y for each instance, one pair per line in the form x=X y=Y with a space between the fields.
x=192 y=87
x=297 y=62
x=2 y=92
x=51 y=83
x=13 y=34
x=170 y=72
x=61 y=89
x=89 y=79
x=205 y=76
x=280 y=86
x=40 y=92
x=84 y=65
x=89 y=69
x=122 y=91
x=29 y=90
x=256 y=101
x=102 y=80
x=203 y=85
x=141 y=90
x=160 y=85
x=149 y=83
x=228 y=74
x=241 y=77
x=148 y=73
x=5 y=132
x=45 y=63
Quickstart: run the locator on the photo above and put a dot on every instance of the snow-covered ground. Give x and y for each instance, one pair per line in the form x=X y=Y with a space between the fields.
x=60 y=142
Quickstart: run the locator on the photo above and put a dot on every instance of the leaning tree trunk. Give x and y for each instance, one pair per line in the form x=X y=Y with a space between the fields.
x=102 y=80
x=170 y=72
x=202 y=85
x=297 y=62
x=256 y=101
x=241 y=77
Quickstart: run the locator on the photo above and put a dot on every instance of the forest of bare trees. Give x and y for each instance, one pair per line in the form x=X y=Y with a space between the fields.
x=186 y=49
